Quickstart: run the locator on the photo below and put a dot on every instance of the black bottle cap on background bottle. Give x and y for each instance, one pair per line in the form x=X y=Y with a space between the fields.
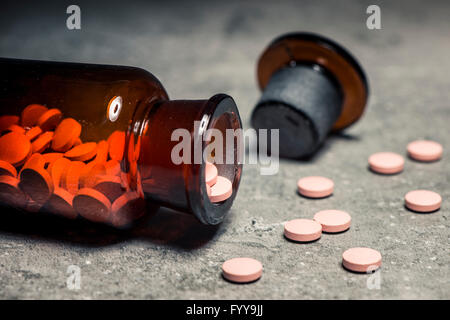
x=311 y=86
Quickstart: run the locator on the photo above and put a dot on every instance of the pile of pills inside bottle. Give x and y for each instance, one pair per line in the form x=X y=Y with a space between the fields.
x=44 y=164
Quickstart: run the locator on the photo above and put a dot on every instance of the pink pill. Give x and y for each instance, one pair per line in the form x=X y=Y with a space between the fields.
x=424 y=150
x=210 y=174
x=361 y=259
x=315 y=187
x=242 y=270
x=386 y=162
x=302 y=230
x=423 y=201
x=333 y=221
x=221 y=190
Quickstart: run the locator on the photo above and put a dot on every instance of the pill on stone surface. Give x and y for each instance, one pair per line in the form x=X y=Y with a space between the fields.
x=302 y=230
x=386 y=162
x=315 y=187
x=92 y=205
x=361 y=259
x=221 y=190
x=7 y=169
x=49 y=119
x=210 y=173
x=242 y=270
x=333 y=221
x=14 y=148
x=83 y=152
x=31 y=114
x=424 y=150
x=66 y=134
x=423 y=201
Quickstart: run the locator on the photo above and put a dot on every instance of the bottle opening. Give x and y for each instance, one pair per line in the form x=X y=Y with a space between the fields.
x=222 y=166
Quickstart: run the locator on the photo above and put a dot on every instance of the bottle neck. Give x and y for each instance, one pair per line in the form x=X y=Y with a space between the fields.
x=171 y=161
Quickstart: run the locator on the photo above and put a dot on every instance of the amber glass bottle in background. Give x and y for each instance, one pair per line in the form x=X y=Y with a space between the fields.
x=130 y=105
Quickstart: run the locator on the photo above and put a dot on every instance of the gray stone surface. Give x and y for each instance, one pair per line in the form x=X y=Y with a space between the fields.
x=200 y=48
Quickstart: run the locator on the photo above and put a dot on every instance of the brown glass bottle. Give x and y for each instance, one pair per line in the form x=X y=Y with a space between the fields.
x=131 y=103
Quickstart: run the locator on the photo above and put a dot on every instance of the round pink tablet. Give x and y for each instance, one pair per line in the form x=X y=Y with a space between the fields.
x=333 y=221
x=386 y=162
x=361 y=259
x=303 y=230
x=423 y=201
x=242 y=270
x=210 y=174
x=424 y=150
x=315 y=187
x=221 y=190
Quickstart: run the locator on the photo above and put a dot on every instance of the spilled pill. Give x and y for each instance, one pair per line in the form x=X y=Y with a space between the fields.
x=242 y=270
x=333 y=221
x=386 y=162
x=423 y=201
x=315 y=187
x=302 y=230
x=424 y=150
x=361 y=259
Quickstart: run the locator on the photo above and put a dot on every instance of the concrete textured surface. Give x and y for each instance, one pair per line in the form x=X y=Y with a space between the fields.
x=198 y=49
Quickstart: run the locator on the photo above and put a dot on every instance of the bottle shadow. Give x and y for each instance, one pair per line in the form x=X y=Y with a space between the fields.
x=159 y=226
